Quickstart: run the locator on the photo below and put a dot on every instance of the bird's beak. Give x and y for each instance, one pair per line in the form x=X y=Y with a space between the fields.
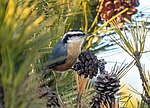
x=86 y=35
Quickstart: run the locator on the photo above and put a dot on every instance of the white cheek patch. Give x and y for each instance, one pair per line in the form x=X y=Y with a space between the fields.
x=76 y=39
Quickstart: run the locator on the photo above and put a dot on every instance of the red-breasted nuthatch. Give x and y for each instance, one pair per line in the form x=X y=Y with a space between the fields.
x=66 y=51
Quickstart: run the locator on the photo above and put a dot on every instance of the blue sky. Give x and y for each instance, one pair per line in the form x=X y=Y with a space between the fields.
x=144 y=3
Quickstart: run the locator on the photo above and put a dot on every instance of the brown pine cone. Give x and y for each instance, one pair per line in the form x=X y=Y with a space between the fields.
x=112 y=7
x=117 y=3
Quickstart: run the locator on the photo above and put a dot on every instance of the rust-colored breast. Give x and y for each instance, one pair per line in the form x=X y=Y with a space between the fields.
x=74 y=49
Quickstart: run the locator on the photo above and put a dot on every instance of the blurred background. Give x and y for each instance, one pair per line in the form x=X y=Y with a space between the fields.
x=119 y=34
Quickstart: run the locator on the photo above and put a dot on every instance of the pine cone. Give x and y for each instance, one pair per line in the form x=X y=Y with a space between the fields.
x=97 y=101
x=53 y=101
x=1 y=97
x=112 y=7
x=87 y=64
x=107 y=85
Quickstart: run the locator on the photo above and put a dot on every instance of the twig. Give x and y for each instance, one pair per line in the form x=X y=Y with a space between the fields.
x=139 y=66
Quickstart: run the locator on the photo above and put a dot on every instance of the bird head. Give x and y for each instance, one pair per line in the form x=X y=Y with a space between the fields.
x=74 y=36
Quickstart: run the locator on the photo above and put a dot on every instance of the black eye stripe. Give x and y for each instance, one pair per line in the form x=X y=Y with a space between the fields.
x=71 y=35
x=76 y=31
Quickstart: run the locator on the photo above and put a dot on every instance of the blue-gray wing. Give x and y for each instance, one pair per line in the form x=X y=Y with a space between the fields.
x=60 y=49
x=58 y=56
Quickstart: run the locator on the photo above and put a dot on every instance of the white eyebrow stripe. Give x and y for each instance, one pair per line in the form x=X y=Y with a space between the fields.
x=75 y=32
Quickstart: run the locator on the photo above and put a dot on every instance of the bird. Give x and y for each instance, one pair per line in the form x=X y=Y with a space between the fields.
x=66 y=51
